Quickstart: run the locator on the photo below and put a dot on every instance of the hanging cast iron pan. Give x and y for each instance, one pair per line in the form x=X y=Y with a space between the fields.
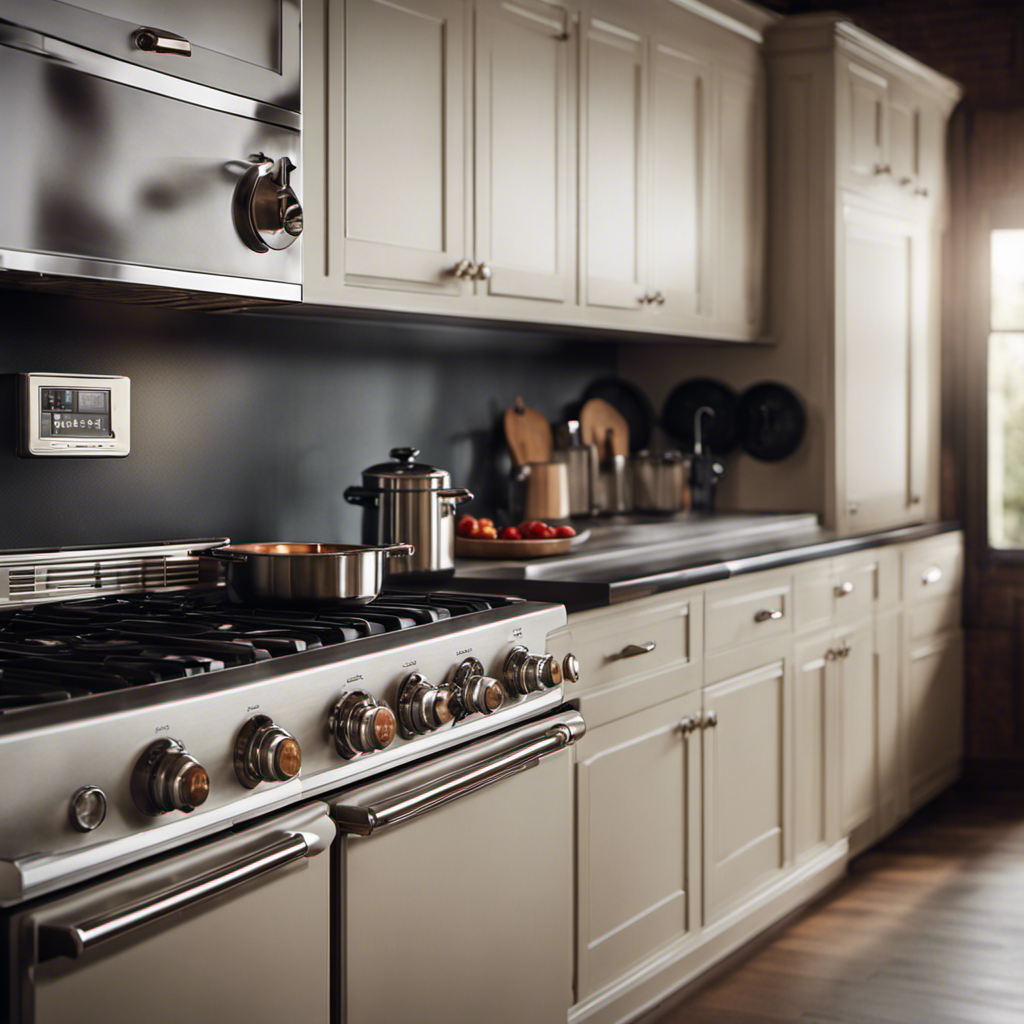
x=771 y=421
x=681 y=407
x=634 y=406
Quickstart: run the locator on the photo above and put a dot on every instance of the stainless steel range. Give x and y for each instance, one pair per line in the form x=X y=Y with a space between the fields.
x=172 y=760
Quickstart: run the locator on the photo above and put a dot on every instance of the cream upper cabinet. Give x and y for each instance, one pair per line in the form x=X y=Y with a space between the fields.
x=396 y=109
x=614 y=161
x=591 y=163
x=523 y=224
x=865 y=141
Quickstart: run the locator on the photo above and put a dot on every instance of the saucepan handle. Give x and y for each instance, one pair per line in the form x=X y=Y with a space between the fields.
x=221 y=554
x=455 y=496
x=360 y=496
x=392 y=550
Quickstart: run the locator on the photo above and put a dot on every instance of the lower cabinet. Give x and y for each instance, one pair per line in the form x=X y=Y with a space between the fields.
x=637 y=839
x=745 y=756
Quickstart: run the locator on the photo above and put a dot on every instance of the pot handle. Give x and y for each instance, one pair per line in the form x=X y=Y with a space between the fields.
x=221 y=554
x=392 y=550
x=455 y=495
x=360 y=496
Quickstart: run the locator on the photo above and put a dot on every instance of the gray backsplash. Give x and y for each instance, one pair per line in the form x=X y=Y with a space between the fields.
x=252 y=426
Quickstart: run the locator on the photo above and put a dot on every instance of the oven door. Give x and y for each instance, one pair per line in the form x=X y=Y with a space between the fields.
x=456 y=901
x=234 y=929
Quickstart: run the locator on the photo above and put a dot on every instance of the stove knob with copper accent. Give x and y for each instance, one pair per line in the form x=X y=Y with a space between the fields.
x=527 y=673
x=474 y=692
x=423 y=707
x=360 y=724
x=168 y=778
x=264 y=752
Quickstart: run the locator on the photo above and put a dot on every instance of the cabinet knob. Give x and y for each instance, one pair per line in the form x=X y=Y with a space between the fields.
x=767 y=614
x=483 y=271
x=844 y=588
x=921 y=192
x=883 y=169
x=462 y=269
x=844 y=651
x=831 y=654
x=152 y=41
x=657 y=298
x=931 y=575
x=689 y=724
x=643 y=299
x=852 y=508
x=709 y=720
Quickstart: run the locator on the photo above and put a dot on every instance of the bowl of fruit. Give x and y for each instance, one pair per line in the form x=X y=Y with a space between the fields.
x=480 y=538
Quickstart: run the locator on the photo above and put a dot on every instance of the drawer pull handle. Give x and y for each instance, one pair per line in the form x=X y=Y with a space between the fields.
x=767 y=614
x=152 y=41
x=689 y=724
x=844 y=588
x=634 y=650
x=709 y=720
x=931 y=575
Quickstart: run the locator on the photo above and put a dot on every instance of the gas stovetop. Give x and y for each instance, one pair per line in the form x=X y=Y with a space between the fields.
x=140 y=709
x=71 y=649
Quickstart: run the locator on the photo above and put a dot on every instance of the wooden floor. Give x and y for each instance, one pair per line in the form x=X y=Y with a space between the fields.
x=928 y=929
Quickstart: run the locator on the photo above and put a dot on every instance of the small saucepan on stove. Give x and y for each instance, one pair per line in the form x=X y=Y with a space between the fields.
x=278 y=573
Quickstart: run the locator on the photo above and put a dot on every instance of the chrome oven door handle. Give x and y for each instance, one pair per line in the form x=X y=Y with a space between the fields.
x=72 y=940
x=364 y=819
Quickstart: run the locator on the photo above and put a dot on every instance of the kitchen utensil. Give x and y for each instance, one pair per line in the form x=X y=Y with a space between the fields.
x=705 y=470
x=603 y=425
x=476 y=547
x=614 y=493
x=660 y=481
x=630 y=402
x=528 y=434
x=541 y=491
x=280 y=573
x=771 y=421
x=409 y=502
x=680 y=409
x=581 y=464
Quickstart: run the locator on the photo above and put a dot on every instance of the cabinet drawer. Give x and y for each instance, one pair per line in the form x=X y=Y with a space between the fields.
x=753 y=608
x=933 y=568
x=632 y=641
x=930 y=617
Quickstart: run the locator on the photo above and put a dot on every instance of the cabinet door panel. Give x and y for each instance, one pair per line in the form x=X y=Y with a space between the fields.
x=868 y=115
x=891 y=789
x=637 y=789
x=877 y=294
x=813 y=713
x=857 y=686
x=934 y=708
x=740 y=203
x=680 y=147
x=614 y=165
x=522 y=176
x=404 y=162
x=743 y=785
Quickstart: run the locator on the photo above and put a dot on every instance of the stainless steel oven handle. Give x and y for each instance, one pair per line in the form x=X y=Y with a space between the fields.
x=365 y=819
x=73 y=940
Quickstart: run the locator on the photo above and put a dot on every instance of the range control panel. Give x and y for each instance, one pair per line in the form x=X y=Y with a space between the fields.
x=74 y=415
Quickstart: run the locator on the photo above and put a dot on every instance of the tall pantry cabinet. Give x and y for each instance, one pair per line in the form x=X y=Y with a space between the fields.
x=858 y=206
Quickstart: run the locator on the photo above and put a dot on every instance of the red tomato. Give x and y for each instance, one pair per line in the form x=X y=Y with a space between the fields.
x=485 y=522
x=468 y=527
x=542 y=532
x=487 y=532
x=526 y=525
x=564 y=531
x=510 y=533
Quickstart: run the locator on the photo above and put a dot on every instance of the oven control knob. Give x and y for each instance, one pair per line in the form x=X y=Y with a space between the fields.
x=168 y=778
x=527 y=673
x=264 y=752
x=474 y=692
x=360 y=724
x=423 y=707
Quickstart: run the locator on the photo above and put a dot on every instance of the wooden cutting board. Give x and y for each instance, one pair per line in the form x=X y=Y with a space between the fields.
x=603 y=425
x=528 y=434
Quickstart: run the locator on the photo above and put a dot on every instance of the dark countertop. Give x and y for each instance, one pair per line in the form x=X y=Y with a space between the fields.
x=643 y=571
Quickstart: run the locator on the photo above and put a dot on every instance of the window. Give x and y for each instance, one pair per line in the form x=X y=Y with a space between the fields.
x=1006 y=390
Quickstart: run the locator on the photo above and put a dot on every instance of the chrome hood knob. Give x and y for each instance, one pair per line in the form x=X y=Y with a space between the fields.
x=266 y=210
x=360 y=724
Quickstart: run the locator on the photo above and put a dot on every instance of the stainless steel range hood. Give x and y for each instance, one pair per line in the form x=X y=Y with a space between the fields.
x=127 y=175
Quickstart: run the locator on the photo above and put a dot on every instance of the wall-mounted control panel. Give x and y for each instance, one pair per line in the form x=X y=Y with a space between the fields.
x=70 y=415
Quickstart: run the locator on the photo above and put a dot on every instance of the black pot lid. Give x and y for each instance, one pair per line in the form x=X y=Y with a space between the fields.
x=405 y=474
x=680 y=410
x=772 y=421
x=629 y=400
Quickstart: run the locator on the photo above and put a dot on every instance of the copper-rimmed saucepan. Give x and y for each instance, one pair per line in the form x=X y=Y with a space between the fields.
x=281 y=573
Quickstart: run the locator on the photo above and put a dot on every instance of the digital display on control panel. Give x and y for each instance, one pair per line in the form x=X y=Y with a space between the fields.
x=74 y=412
